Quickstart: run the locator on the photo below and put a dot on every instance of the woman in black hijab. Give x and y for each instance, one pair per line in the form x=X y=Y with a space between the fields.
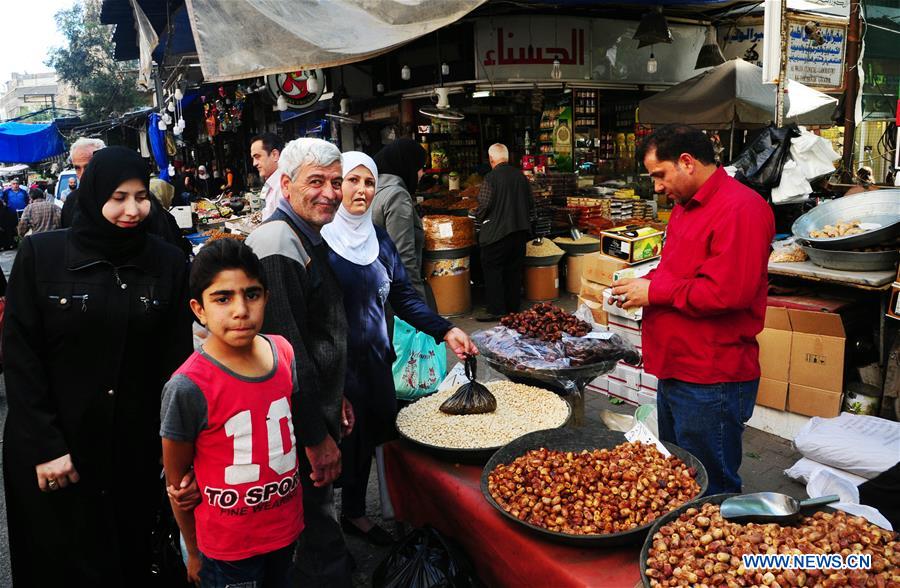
x=400 y=165
x=96 y=321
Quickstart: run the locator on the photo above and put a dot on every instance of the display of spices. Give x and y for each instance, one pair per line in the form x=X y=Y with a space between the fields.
x=546 y=322
x=450 y=203
x=544 y=248
x=594 y=492
x=583 y=240
x=215 y=235
x=449 y=267
x=700 y=547
x=443 y=232
x=520 y=409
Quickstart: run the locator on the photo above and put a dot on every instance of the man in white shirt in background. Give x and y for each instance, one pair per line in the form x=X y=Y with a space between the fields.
x=265 y=150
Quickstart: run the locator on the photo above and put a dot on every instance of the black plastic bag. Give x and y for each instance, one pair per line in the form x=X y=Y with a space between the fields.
x=472 y=397
x=425 y=559
x=759 y=165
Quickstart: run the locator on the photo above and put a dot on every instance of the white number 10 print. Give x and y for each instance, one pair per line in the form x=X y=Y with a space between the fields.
x=240 y=427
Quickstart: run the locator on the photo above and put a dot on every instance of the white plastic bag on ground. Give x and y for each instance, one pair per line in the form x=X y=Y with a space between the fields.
x=805 y=467
x=824 y=482
x=859 y=444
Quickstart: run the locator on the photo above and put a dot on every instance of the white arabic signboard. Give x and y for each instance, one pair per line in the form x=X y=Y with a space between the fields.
x=838 y=8
x=817 y=66
x=588 y=49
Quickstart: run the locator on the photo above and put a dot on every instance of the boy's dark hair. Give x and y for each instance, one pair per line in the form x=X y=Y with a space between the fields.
x=36 y=194
x=269 y=141
x=219 y=256
x=670 y=141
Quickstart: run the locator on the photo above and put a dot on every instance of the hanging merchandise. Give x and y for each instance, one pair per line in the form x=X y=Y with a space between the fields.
x=209 y=117
x=223 y=110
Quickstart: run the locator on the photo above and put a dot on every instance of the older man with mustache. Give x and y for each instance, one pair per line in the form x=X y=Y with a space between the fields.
x=306 y=307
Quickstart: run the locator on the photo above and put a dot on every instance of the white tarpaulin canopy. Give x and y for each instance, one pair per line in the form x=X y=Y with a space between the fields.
x=244 y=38
x=733 y=94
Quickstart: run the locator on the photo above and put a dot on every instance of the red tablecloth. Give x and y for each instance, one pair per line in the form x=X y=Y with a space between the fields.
x=425 y=490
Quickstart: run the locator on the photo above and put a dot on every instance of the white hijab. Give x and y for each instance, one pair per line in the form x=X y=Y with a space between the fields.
x=349 y=235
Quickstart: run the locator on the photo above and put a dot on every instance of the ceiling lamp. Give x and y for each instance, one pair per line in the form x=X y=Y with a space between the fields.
x=281 y=104
x=445 y=69
x=556 y=71
x=405 y=73
x=653 y=29
x=179 y=95
x=379 y=87
x=312 y=82
x=652 y=64
x=710 y=55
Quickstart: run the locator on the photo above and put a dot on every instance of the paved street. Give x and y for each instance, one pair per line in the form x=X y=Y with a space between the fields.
x=765 y=458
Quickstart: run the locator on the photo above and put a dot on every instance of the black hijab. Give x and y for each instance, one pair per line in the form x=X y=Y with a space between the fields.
x=106 y=171
x=403 y=158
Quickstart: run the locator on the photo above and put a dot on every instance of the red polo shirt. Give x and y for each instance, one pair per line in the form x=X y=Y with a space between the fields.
x=708 y=295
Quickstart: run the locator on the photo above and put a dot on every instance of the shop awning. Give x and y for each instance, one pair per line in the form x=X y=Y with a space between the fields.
x=238 y=40
x=733 y=94
x=29 y=143
x=13 y=169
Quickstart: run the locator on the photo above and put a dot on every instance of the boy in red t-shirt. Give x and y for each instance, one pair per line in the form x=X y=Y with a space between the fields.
x=227 y=413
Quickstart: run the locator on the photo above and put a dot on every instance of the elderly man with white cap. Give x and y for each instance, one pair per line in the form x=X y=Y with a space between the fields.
x=305 y=306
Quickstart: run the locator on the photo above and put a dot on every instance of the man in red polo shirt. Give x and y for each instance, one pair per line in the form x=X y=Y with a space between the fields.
x=705 y=303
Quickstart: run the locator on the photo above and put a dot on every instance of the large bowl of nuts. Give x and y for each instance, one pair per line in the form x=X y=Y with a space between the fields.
x=474 y=438
x=589 y=487
x=695 y=546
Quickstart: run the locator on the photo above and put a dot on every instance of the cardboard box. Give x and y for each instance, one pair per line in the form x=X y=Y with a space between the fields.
x=775 y=346
x=599 y=268
x=600 y=316
x=621 y=391
x=592 y=290
x=630 y=335
x=630 y=244
x=646 y=396
x=629 y=375
x=817 y=351
x=634 y=314
x=894 y=306
x=772 y=393
x=810 y=401
x=636 y=271
x=599 y=384
x=628 y=323
x=649 y=381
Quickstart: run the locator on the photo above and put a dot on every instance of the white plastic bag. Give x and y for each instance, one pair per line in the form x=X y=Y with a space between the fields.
x=814 y=155
x=824 y=482
x=793 y=186
x=805 y=467
x=859 y=444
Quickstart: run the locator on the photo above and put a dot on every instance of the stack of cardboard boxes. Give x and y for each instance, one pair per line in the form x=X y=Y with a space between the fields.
x=627 y=382
x=801 y=357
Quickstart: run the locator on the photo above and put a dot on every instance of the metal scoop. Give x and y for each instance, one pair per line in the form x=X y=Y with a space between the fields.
x=573 y=230
x=769 y=507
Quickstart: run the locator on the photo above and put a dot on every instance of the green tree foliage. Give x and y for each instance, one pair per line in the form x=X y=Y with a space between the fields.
x=108 y=88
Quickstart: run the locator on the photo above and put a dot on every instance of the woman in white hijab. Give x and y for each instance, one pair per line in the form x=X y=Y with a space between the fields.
x=371 y=273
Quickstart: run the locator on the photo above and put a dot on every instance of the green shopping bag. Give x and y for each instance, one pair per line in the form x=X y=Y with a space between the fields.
x=421 y=363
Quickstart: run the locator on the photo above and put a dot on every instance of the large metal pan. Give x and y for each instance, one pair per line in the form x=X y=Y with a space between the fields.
x=881 y=207
x=576 y=440
x=665 y=520
x=862 y=261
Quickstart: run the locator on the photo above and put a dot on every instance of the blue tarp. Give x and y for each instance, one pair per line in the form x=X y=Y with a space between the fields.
x=158 y=145
x=29 y=143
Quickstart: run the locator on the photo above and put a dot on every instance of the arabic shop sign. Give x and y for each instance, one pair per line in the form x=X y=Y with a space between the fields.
x=816 y=66
x=525 y=47
x=292 y=85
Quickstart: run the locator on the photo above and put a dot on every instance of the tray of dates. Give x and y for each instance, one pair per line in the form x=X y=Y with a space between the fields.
x=547 y=344
x=589 y=487
x=694 y=546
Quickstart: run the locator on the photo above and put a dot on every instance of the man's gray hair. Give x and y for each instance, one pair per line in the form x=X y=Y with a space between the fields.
x=88 y=144
x=498 y=152
x=307 y=151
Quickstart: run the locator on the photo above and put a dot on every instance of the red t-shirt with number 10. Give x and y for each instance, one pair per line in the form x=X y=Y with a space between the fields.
x=245 y=452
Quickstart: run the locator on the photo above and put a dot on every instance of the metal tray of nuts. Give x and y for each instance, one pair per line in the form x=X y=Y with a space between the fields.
x=577 y=440
x=668 y=518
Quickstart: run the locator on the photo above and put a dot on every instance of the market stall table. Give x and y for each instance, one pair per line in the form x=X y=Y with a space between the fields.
x=447 y=496
x=877 y=281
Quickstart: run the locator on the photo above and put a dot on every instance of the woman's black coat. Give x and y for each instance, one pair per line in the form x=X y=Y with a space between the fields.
x=87 y=349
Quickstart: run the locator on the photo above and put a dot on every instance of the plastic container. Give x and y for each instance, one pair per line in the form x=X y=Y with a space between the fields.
x=541 y=283
x=574 y=267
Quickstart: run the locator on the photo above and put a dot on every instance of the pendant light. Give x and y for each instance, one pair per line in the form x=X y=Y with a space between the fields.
x=379 y=87
x=710 y=55
x=405 y=73
x=161 y=125
x=556 y=71
x=652 y=64
x=445 y=69
x=653 y=29
x=312 y=82
x=179 y=95
x=281 y=104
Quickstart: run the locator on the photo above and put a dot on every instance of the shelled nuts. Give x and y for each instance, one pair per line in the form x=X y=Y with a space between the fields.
x=592 y=492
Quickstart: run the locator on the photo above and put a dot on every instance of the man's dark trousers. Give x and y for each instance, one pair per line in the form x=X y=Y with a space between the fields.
x=502 y=263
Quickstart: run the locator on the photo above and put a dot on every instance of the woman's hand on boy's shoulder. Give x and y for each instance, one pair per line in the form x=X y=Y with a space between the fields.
x=187 y=496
